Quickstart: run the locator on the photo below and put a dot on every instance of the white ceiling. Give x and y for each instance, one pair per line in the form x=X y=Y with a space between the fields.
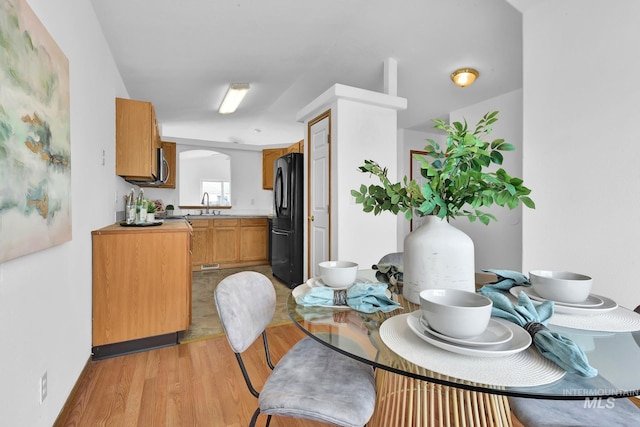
x=182 y=54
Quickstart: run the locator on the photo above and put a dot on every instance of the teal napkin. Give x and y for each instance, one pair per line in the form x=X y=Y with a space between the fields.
x=365 y=297
x=564 y=352
x=506 y=280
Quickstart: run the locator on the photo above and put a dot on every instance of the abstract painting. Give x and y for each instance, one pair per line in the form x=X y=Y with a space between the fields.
x=35 y=146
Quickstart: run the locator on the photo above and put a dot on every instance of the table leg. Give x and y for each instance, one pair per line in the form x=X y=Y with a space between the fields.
x=407 y=402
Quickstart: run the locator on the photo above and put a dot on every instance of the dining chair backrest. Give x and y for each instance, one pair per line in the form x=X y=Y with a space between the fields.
x=246 y=303
x=311 y=380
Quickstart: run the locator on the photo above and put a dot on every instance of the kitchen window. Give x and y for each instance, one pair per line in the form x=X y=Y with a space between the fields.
x=219 y=192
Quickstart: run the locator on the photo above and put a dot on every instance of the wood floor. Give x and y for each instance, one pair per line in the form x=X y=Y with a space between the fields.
x=193 y=384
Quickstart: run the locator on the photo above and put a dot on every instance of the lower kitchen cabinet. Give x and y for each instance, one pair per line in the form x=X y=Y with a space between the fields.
x=254 y=238
x=141 y=282
x=225 y=241
x=230 y=242
x=202 y=238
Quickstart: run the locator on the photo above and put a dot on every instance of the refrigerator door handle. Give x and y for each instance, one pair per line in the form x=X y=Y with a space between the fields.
x=279 y=233
x=278 y=192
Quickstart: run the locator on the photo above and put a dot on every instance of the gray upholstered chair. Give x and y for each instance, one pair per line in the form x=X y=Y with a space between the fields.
x=594 y=413
x=311 y=381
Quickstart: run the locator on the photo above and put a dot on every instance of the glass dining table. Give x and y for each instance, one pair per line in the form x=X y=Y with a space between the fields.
x=422 y=384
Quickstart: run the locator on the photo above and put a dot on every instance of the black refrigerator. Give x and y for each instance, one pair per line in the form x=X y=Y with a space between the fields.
x=287 y=231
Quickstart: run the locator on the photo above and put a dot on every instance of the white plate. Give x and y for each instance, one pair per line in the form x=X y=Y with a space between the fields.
x=591 y=302
x=607 y=304
x=496 y=333
x=521 y=340
x=316 y=282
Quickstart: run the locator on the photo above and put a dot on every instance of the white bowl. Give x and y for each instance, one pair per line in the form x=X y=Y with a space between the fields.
x=456 y=313
x=338 y=274
x=561 y=286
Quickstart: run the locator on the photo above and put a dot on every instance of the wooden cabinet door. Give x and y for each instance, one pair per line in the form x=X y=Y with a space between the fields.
x=170 y=154
x=254 y=237
x=202 y=242
x=141 y=287
x=225 y=241
x=136 y=139
x=268 y=157
x=296 y=147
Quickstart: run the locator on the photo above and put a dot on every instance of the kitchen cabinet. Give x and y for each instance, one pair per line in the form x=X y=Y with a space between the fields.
x=169 y=149
x=202 y=238
x=225 y=241
x=141 y=282
x=296 y=147
x=137 y=139
x=254 y=238
x=230 y=242
x=268 y=157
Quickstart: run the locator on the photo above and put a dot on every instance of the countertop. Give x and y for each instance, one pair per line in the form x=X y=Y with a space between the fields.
x=164 y=227
x=225 y=216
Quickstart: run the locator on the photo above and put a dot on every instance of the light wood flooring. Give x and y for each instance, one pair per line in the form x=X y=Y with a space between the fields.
x=194 y=384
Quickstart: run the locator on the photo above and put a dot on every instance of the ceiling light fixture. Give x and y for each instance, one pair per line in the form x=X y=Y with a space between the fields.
x=233 y=98
x=464 y=76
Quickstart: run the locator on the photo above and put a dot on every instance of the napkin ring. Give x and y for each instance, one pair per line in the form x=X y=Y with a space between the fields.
x=340 y=297
x=534 y=327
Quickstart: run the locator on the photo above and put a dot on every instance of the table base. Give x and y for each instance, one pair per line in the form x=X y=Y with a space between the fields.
x=404 y=401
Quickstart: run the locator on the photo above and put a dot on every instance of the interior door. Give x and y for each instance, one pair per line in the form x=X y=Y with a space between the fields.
x=319 y=221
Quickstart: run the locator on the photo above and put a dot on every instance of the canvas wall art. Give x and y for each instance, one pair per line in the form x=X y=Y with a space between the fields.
x=35 y=146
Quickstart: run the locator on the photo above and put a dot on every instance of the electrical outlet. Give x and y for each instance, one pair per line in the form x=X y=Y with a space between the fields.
x=43 y=387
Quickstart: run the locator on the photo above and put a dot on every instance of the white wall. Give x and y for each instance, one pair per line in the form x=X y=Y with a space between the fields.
x=360 y=132
x=499 y=244
x=247 y=195
x=45 y=297
x=409 y=140
x=581 y=148
x=194 y=169
x=363 y=127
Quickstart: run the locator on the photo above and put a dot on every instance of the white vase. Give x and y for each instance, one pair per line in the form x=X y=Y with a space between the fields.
x=437 y=255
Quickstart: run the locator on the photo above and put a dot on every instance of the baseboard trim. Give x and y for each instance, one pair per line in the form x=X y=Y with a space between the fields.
x=134 y=346
x=65 y=412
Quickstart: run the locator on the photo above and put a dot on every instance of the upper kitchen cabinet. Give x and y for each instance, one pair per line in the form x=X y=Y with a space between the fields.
x=169 y=149
x=137 y=140
x=269 y=155
x=296 y=147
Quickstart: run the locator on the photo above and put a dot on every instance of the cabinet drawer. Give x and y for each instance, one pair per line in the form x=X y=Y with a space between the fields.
x=253 y=221
x=199 y=223
x=225 y=222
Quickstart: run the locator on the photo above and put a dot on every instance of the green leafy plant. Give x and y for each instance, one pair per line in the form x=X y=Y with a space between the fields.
x=151 y=207
x=169 y=208
x=457 y=182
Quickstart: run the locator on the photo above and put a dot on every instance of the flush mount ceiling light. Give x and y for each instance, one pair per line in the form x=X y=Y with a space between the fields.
x=464 y=76
x=233 y=98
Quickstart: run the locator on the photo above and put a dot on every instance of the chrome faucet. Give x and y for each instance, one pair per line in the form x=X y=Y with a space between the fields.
x=202 y=202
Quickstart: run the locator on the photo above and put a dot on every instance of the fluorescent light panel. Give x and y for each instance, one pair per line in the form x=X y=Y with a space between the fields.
x=233 y=98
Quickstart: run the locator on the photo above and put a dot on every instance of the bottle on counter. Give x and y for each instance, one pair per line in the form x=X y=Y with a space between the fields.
x=141 y=208
x=130 y=209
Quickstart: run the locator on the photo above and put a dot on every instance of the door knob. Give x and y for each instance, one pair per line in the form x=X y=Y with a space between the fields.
x=312 y=218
